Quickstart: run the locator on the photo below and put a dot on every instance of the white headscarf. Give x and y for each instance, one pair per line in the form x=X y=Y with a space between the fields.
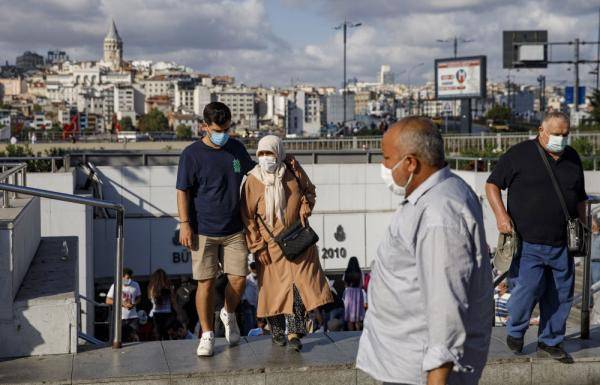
x=274 y=197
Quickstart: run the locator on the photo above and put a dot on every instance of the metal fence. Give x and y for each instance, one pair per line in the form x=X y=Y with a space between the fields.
x=40 y=163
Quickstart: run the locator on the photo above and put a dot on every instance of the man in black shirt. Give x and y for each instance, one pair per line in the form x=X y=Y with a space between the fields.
x=544 y=272
x=209 y=179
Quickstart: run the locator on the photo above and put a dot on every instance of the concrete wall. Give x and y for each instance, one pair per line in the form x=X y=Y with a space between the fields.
x=41 y=328
x=19 y=239
x=69 y=219
x=353 y=210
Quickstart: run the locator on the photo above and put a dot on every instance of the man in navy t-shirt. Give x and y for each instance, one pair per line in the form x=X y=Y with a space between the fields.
x=208 y=199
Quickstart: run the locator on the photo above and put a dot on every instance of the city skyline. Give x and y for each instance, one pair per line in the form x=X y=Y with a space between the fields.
x=276 y=42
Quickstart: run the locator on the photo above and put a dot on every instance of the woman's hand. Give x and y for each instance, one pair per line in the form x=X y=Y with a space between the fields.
x=264 y=257
x=305 y=212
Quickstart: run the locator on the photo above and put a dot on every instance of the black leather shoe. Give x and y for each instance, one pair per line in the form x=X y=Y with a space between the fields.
x=279 y=340
x=295 y=344
x=514 y=344
x=555 y=352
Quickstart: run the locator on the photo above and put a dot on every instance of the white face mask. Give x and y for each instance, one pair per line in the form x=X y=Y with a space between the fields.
x=388 y=179
x=268 y=163
x=126 y=281
x=556 y=143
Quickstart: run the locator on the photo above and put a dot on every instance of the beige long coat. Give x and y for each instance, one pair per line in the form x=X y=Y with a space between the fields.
x=276 y=280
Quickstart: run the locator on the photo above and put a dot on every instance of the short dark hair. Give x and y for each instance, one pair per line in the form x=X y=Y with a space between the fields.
x=556 y=115
x=217 y=113
x=127 y=271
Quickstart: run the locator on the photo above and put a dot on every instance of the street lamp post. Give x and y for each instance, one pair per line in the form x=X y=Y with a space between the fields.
x=455 y=40
x=344 y=27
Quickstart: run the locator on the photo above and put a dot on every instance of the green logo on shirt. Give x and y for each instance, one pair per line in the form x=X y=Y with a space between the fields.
x=237 y=166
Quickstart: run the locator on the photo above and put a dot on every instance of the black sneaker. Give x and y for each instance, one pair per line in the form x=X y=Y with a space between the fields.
x=556 y=352
x=279 y=340
x=514 y=344
x=295 y=344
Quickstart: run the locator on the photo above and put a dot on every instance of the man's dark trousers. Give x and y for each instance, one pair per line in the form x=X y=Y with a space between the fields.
x=543 y=274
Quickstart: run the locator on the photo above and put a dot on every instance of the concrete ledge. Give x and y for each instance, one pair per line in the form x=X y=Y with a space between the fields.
x=19 y=239
x=43 y=318
x=326 y=359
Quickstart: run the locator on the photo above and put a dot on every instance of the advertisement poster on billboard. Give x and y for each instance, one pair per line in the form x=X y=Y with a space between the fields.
x=460 y=78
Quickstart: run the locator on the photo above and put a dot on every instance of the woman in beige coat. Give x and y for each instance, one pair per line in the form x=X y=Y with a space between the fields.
x=281 y=194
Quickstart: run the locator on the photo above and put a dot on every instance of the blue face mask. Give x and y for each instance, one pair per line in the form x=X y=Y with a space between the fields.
x=219 y=138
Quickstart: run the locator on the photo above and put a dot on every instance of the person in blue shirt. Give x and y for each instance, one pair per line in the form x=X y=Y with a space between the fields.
x=209 y=178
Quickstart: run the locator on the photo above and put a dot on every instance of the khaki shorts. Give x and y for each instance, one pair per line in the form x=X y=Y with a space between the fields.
x=231 y=251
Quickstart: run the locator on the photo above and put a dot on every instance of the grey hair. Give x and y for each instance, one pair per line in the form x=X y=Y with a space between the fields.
x=421 y=138
x=556 y=115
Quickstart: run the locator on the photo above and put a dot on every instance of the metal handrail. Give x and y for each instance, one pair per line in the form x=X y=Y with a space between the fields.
x=17 y=168
x=120 y=211
x=85 y=336
x=586 y=297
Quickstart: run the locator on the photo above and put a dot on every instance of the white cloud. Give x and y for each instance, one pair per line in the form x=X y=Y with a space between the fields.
x=236 y=36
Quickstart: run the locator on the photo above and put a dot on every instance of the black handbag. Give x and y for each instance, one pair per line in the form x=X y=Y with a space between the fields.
x=295 y=240
x=576 y=234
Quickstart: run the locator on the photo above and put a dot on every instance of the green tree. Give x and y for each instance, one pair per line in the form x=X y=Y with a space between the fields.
x=155 y=120
x=183 y=132
x=126 y=124
x=37 y=108
x=595 y=102
x=498 y=112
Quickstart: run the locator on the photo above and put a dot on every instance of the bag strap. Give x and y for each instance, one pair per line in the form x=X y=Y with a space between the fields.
x=265 y=226
x=561 y=198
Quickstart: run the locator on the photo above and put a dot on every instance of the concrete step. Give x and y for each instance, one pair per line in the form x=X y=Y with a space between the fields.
x=327 y=358
x=45 y=311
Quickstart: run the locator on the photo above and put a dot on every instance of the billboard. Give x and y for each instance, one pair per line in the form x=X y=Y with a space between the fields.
x=525 y=49
x=460 y=78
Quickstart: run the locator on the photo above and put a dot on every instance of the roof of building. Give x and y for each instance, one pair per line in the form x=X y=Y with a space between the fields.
x=112 y=34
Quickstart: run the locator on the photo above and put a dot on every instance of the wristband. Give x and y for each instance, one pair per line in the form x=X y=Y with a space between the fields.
x=184 y=222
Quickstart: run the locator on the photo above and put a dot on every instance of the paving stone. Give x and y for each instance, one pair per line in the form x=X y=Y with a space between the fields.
x=231 y=360
x=231 y=379
x=310 y=376
x=347 y=342
x=37 y=370
x=318 y=352
x=549 y=371
x=326 y=359
x=144 y=361
x=506 y=373
x=363 y=378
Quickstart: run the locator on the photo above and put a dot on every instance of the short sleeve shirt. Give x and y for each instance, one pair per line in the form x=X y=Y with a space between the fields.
x=533 y=203
x=129 y=293
x=214 y=177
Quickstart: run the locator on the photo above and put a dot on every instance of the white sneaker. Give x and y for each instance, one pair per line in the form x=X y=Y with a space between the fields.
x=232 y=331
x=206 y=346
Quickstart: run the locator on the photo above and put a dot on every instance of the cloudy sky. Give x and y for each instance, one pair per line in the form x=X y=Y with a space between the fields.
x=275 y=42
